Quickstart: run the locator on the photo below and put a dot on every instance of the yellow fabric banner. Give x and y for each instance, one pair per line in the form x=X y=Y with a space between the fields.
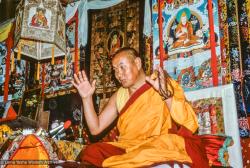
x=4 y=30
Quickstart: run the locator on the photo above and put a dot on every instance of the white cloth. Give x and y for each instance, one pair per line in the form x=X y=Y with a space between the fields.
x=169 y=166
x=226 y=92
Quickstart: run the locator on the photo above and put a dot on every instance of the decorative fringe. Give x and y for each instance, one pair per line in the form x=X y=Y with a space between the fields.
x=12 y=62
x=19 y=52
x=38 y=71
x=53 y=55
x=65 y=65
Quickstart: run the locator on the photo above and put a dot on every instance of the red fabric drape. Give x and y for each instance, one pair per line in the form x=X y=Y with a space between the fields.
x=9 y=44
x=96 y=153
x=212 y=44
x=11 y=115
x=160 y=2
x=194 y=148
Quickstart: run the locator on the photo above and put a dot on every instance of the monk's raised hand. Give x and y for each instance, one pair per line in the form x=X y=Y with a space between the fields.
x=82 y=84
x=157 y=80
x=153 y=79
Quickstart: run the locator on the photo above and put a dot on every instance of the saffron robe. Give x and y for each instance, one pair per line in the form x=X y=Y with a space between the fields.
x=144 y=125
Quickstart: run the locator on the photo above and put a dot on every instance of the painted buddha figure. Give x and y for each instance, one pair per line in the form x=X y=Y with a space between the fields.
x=184 y=31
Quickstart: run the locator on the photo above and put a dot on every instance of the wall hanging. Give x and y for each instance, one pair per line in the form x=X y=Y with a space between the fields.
x=40 y=29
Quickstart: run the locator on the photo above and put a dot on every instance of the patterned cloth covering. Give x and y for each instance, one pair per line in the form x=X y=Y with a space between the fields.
x=33 y=150
x=30 y=149
x=68 y=150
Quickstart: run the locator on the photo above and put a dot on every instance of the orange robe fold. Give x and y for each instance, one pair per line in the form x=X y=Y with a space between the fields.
x=144 y=128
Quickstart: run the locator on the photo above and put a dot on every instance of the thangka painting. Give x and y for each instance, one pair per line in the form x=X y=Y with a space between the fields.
x=39 y=17
x=112 y=28
x=58 y=77
x=186 y=41
x=17 y=77
x=210 y=115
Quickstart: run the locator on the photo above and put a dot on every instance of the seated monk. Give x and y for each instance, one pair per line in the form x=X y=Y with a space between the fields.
x=184 y=33
x=156 y=123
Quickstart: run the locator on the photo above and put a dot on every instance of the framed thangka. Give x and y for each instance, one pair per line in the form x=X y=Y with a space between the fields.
x=29 y=107
x=186 y=41
x=210 y=115
x=111 y=29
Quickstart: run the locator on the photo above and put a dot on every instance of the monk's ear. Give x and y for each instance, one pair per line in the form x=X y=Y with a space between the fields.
x=138 y=63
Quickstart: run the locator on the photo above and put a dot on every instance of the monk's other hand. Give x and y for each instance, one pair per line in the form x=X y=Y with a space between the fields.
x=157 y=80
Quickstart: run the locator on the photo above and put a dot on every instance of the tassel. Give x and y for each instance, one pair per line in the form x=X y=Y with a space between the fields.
x=53 y=55
x=65 y=65
x=38 y=71
x=12 y=62
x=19 y=52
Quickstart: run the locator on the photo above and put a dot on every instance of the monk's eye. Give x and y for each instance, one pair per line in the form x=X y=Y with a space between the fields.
x=122 y=67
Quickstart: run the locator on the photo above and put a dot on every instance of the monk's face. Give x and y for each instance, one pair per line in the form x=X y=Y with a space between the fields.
x=126 y=68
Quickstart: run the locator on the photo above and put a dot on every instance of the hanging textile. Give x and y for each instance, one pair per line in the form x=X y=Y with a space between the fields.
x=188 y=53
x=5 y=29
x=224 y=42
x=57 y=78
x=84 y=5
x=12 y=72
x=54 y=80
x=236 y=52
x=112 y=28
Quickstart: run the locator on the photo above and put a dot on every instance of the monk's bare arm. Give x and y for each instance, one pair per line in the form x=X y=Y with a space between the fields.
x=97 y=123
x=86 y=90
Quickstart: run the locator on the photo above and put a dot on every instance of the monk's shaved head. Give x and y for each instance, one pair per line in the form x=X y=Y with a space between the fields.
x=130 y=53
